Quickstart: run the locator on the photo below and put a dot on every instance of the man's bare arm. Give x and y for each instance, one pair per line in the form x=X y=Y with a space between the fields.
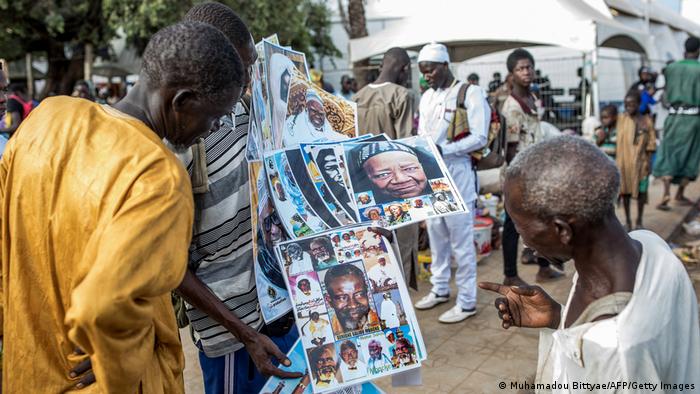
x=259 y=346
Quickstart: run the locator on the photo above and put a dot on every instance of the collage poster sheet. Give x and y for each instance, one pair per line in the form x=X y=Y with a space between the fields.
x=326 y=167
x=314 y=115
x=281 y=64
x=302 y=385
x=267 y=231
x=259 y=115
x=395 y=183
x=352 y=308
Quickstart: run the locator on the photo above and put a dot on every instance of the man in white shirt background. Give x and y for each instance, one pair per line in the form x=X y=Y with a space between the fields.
x=632 y=313
x=452 y=236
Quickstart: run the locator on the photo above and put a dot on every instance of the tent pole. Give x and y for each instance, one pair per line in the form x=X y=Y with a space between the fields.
x=30 y=73
x=594 y=83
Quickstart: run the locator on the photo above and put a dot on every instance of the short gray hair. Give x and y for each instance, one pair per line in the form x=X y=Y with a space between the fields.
x=566 y=176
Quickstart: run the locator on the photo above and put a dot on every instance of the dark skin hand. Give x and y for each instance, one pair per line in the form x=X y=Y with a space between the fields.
x=383 y=232
x=82 y=371
x=259 y=346
x=524 y=306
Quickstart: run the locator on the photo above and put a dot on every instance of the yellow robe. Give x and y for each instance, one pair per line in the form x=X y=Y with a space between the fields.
x=96 y=217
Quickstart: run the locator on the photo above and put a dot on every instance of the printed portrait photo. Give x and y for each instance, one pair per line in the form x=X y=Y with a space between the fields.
x=443 y=202
x=323 y=362
x=348 y=299
x=322 y=253
x=390 y=309
x=351 y=365
x=364 y=199
x=391 y=170
x=397 y=213
x=382 y=273
x=306 y=291
x=374 y=348
x=315 y=327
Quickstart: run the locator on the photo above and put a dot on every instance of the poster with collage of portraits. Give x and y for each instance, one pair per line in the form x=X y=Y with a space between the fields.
x=352 y=308
x=395 y=183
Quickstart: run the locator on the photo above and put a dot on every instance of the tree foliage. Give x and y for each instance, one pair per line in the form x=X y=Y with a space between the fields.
x=301 y=24
x=59 y=29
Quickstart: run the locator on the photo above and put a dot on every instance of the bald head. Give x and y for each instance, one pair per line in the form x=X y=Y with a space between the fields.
x=565 y=176
x=396 y=55
x=396 y=66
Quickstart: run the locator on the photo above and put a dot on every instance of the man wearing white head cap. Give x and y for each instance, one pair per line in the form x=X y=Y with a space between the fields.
x=309 y=125
x=452 y=236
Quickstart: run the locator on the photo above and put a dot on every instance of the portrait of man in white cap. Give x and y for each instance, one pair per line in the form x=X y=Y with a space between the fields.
x=392 y=170
x=310 y=125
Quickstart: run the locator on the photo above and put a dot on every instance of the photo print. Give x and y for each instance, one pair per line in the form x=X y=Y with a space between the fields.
x=323 y=160
x=443 y=202
x=281 y=64
x=259 y=95
x=305 y=184
x=364 y=199
x=421 y=207
x=323 y=363
x=335 y=117
x=383 y=274
x=315 y=327
x=267 y=231
x=306 y=292
x=396 y=173
x=390 y=308
x=375 y=215
x=348 y=300
x=306 y=120
x=292 y=207
x=375 y=349
x=327 y=171
x=354 y=312
x=350 y=363
x=397 y=213
x=402 y=347
x=303 y=385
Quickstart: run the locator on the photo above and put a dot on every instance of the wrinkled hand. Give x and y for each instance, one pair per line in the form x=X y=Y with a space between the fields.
x=84 y=369
x=389 y=235
x=524 y=306
x=261 y=349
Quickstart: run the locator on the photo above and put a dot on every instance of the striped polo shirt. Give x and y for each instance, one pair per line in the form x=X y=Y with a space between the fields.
x=221 y=253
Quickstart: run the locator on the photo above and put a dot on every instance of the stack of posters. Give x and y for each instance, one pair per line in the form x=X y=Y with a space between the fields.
x=316 y=188
x=303 y=385
x=352 y=308
x=320 y=186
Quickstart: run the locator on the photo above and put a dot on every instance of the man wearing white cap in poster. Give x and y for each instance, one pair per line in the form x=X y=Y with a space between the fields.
x=310 y=125
x=452 y=236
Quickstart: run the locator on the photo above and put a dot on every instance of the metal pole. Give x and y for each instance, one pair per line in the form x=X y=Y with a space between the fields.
x=30 y=73
x=594 y=83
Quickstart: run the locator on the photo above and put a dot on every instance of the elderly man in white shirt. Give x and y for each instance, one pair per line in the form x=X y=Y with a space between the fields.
x=632 y=313
x=452 y=236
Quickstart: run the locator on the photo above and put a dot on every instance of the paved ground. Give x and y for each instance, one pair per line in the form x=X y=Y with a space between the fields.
x=476 y=355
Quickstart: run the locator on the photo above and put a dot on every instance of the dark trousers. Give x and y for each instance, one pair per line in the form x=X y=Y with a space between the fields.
x=510 y=249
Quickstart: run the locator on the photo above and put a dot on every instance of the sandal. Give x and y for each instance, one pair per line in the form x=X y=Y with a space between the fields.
x=664 y=204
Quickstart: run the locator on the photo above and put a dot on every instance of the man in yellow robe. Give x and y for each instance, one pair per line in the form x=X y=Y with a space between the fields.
x=95 y=222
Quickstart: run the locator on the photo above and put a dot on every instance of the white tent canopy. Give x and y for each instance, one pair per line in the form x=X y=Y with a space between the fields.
x=657 y=13
x=570 y=24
